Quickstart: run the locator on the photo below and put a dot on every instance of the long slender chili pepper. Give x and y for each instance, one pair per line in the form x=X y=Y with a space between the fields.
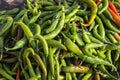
x=40 y=62
x=113 y=8
x=6 y=28
x=19 y=44
x=26 y=29
x=44 y=43
x=59 y=27
x=25 y=55
x=108 y=24
x=101 y=27
x=97 y=35
x=5 y=74
x=55 y=43
x=104 y=70
x=54 y=23
x=51 y=60
x=18 y=74
x=77 y=69
x=104 y=7
x=115 y=17
x=93 y=11
x=90 y=46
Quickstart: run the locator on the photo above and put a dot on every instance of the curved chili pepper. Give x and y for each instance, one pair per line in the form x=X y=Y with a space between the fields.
x=44 y=43
x=7 y=26
x=19 y=44
x=25 y=28
x=93 y=11
x=54 y=23
x=59 y=27
x=104 y=7
x=40 y=62
x=25 y=56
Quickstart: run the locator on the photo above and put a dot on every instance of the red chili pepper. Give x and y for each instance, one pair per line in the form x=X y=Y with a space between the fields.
x=18 y=74
x=97 y=1
x=115 y=17
x=113 y=8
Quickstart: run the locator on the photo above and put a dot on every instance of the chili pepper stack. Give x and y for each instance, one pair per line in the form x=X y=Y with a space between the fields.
x=61 y=40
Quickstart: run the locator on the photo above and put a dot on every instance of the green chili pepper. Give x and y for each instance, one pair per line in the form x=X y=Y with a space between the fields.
x=101 y=54
x=37 y=29
x=74 y=48
x=76 y=69
x=93 y=11
x=108 y=15
x=54 y=23
x=89 y=46
x=12 y=11
x=57 y=68
x=95 y=60
x=108 y=56
x=47 y=17
x=8 y=70
x=52 y=8
x=26 y=29
x=79 y=40
x=104 y=70
x=104 y=7
x=1 y=47
x=59 y=27
x=116 y=55
x=101 y=27
x=56 y=43
x=68 y=16
x=68 y=76
x=44 y=43
x=45 y=3
x=95 y=33
x=25 y=56
x=7 y=26
x=20 y=14
x=85 y=37
x=74 y=76
x=40 y=62
x=19 y=44
x=111 y=38
x=92 y=26
x=87 y=76
x=94 y=40
x=5 y=74
x=45 y=13
x=114 y=46
x=34 y=18
x=108 y=24
x=25 y=17
x=51 y=61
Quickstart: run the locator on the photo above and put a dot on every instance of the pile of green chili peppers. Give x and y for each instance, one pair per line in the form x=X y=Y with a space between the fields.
x=59 y=40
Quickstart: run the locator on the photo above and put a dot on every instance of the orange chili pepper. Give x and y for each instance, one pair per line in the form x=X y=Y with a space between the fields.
x=113 y=8
x=115 y=17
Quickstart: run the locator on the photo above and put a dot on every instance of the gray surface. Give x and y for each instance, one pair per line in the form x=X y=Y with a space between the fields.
x=9 y=4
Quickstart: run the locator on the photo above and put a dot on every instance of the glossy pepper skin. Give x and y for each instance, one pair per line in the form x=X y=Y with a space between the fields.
x=93 y=11
x=76 y=69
